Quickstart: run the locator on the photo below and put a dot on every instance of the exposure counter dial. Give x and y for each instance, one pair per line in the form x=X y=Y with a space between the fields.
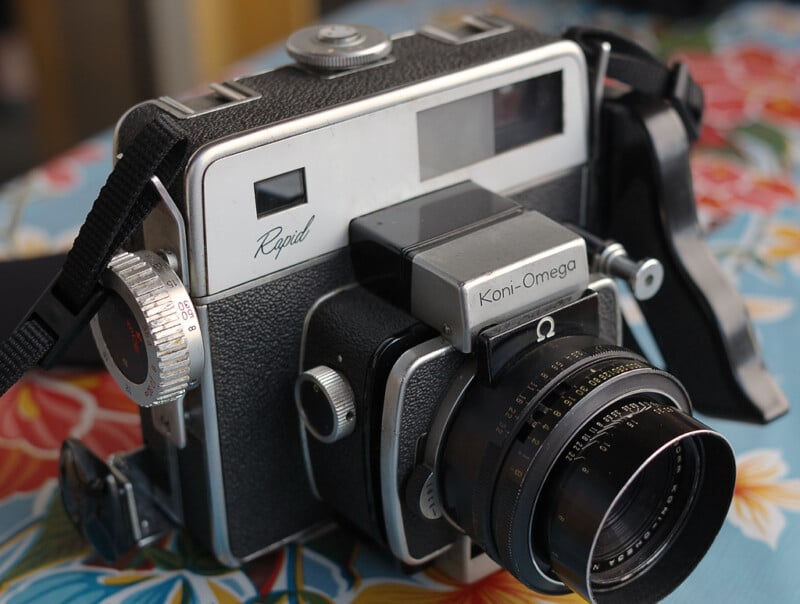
x=147 y=331
x=338 y=47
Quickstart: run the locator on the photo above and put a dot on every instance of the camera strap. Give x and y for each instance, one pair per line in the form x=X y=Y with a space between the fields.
x=634 y=66
x=75 y=294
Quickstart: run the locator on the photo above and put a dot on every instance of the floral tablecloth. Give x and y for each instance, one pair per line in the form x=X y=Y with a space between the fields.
x=747 y=171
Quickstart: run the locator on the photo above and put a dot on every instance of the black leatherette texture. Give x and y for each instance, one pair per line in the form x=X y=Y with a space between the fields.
x=345 y=333
x=255 y=350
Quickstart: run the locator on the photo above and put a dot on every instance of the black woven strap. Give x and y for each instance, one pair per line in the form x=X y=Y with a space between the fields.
x=22 y=350
x=631 y=64
x=75 y=294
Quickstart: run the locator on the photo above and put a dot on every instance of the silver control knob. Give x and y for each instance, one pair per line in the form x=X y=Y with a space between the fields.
x=644 y=277
x=326 y=403
x=147 y=331
x=338 y=47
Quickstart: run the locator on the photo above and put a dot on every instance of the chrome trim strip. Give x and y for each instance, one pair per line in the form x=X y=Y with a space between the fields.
x=218 y=517
x=404 y=367
x=124 y=485
x=312 y=309
x=179 y=247
x=312 y=482
x=300 y=536
x=234 y=93
x=605 y=285
x=486 y=26
x=265 y=279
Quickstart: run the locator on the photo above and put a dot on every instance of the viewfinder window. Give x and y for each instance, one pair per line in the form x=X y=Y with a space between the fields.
x=527 y=111
x=478 y=127
x=280 y=192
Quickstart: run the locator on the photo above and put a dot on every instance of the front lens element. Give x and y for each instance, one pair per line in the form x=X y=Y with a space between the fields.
x=638 y=524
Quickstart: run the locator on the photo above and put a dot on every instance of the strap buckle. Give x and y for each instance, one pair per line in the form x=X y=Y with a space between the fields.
x=60 y=321
x=686 y=97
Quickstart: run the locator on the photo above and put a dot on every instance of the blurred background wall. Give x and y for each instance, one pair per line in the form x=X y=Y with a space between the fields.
x=70 y=69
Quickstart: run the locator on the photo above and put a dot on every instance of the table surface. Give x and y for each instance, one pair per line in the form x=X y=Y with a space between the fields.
x=746 y=169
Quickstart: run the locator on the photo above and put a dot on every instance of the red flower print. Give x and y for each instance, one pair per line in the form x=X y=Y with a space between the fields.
x=783 y=108
x=723 y=186
x=726 y=104
x=745 y=84
x=40 y=411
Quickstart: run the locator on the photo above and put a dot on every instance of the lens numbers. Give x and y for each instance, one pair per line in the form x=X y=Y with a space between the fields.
x=186 y=310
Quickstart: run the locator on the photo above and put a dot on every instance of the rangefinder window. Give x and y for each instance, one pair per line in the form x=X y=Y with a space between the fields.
x=457 y=134
x=528 y=111
x=280 y=192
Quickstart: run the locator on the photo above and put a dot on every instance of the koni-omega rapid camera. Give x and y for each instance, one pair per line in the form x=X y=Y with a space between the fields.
x=382 y=289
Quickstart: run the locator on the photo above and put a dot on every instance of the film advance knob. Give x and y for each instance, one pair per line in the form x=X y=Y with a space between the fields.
x=338 y=47
x=147 y=331
x=326 y=403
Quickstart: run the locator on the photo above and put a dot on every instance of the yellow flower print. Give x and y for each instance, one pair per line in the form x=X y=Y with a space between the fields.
x=785 y=242
x=761 y=494
x=498 y=588
x=765 y=309
x=782 y=245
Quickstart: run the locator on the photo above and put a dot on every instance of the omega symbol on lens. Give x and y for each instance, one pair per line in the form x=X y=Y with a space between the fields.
x=545 y=329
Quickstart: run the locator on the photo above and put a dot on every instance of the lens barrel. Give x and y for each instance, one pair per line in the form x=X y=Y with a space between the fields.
x=582 y=467
x=631 y=508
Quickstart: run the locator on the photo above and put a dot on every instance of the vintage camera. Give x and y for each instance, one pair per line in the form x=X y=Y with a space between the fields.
x=427 y=224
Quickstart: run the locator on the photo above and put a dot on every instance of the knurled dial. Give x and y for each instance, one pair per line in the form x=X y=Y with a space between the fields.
x=147 y=331
x=326 y=403
x=337 y=47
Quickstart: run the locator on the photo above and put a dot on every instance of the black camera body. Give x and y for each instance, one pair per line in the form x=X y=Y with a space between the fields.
x=423 y=220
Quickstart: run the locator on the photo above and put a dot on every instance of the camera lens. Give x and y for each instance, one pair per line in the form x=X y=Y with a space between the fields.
x=634 y=529
x=581 y=467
